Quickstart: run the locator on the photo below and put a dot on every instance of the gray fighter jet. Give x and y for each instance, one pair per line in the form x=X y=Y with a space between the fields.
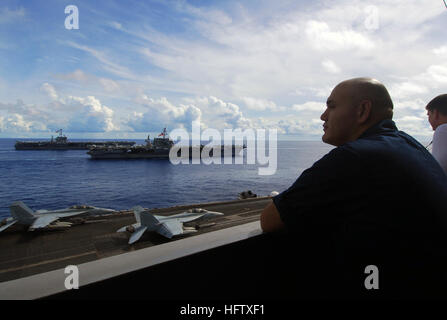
x=22 y=214
x=167 y=226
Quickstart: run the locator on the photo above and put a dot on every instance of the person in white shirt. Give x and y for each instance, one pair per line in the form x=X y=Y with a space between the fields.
x=437 y=116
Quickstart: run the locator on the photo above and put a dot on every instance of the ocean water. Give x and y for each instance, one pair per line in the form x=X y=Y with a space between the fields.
x=59 y=179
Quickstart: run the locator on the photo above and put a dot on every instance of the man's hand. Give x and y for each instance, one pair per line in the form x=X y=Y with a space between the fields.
x=270 y=219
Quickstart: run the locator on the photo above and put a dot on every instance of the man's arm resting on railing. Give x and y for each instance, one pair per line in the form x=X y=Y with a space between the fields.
x=270 y=219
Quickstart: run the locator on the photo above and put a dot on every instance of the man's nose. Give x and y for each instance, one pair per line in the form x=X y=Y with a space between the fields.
x=324 y=115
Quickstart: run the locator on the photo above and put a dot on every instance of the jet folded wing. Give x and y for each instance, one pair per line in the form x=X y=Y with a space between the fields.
x=137 y=234
x=70 y=214
x=7 y=225
x=43 y=221
x=170 y=228
x=135 y=226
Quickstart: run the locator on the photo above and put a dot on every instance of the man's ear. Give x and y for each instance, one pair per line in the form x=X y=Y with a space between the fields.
x=435 y=114
x=364 y=111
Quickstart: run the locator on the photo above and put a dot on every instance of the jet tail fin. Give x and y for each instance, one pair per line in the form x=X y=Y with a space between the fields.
x=137 y=211
x=21 y=212
x=149 y=220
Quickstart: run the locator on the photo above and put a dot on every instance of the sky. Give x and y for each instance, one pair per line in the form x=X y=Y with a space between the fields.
x=134 y=67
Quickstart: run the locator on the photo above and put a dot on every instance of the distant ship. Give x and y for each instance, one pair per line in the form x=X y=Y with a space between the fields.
x=61 y=143
x=158 y=148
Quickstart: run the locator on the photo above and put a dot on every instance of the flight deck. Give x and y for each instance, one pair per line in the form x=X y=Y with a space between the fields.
x=23 y=253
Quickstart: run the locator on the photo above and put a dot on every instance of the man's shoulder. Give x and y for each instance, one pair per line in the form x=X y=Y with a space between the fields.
x=442 y=127
x=441 y=130
x=390 y=142
x=355 y=152
x=339 y=157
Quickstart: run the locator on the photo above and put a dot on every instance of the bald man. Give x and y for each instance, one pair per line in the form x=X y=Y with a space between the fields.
x=374 y=200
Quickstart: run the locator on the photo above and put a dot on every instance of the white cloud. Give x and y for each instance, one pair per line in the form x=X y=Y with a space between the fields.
x=441 y=51
x=330 y=66
x=158 y=113
x=414 y=125
x=323 y=38
x=50 y=91
x=210 y=112
x=410 y=119
x=91 y=116
x=293 y=124
x=40 y=116
x=300 y=126
x=7 y=15
x=220 y=114
x=311 y=106
x=106 y=62
x=109 y=85
x=314 y=92
x=116 y=25
x=75 y=114
x=77 y=75
x=438 y=73
x=213 y=15
x=91 y=81
x=412 y=105
x=18 y=124
x=260 y=104
x=407 y=89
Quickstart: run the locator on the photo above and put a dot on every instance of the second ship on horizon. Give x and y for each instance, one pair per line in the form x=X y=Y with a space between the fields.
x=158 y=148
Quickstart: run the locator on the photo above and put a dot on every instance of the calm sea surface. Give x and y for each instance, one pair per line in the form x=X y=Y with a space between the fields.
x=59 y=179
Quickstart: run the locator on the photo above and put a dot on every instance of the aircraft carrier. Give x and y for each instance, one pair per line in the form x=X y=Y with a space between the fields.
x=159 y=148
x=61 y=143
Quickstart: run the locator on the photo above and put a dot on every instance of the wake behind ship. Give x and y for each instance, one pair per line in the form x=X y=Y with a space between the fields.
x=158 y=148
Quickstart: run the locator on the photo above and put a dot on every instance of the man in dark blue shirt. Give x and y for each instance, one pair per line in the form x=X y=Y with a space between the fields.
x=379 y=199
